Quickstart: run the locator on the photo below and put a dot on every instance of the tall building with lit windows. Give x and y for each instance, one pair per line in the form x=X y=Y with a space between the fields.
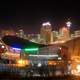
x=7 y=32
x=45 y=32
x=34 y=37
x=77 y=33
x=21 y=33
x=64 y=33
x=55 y=35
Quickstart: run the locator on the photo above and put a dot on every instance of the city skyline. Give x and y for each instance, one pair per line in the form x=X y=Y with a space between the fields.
x=40 y=39
x=31 y=15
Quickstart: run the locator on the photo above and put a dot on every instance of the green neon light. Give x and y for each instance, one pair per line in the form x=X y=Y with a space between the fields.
x=31 y=49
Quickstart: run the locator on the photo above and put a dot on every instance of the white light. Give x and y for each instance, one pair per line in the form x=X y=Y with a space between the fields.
x=60 y=48
x=68 y=24
x=78 y=68
x=16 y=48
x=46 y=24
x=3 y=46
x=44 y=55
x=39 y=64
x=59 y=58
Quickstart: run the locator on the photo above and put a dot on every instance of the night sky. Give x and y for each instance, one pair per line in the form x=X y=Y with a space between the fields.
x=30 y=15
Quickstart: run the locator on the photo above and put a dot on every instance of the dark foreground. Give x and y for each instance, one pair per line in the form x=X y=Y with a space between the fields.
x=9 y=76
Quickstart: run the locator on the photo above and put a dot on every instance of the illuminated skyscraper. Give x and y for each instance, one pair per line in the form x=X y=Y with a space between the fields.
x=77 y=33
x=8 y=32
x=45 y=32
x=55 y=35
x=34 y=37
x=21 y=33
x=64 y=33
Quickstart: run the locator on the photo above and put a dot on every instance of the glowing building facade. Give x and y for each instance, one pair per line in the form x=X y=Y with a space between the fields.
x=45 y=32
x=64 y=33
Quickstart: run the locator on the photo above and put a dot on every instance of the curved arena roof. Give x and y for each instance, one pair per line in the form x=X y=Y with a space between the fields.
x=18 y=42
